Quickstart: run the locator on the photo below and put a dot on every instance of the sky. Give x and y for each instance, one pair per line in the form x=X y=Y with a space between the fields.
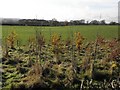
x=60 y=9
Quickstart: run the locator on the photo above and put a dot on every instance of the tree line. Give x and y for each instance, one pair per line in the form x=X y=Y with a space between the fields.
x=55 y=22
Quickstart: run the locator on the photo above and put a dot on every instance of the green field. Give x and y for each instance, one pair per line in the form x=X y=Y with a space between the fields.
x=89 y=32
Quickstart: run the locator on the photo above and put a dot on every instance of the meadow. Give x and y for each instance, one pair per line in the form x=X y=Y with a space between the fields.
x=90 y=32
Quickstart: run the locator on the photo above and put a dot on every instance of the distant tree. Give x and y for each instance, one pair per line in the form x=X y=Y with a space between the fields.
x=71 y=22
x=66 y=23
x=76 y=22
x=102 y=22
x=87 y=22
x=113 y=23
x=82 y=21
x=95 y=22
x=54 y=22
x=54 y=19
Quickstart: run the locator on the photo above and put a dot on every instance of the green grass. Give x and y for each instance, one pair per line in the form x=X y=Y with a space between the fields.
x=89 y=32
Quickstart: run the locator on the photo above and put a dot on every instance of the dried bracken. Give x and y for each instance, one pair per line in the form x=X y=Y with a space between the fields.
x=11 y=39
x=78 y=40
x=70 y=64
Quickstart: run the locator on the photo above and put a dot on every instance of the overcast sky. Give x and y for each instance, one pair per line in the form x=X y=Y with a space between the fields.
x=60 y=9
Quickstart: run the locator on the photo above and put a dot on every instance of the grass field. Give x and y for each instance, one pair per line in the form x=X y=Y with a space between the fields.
x=89 y=32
